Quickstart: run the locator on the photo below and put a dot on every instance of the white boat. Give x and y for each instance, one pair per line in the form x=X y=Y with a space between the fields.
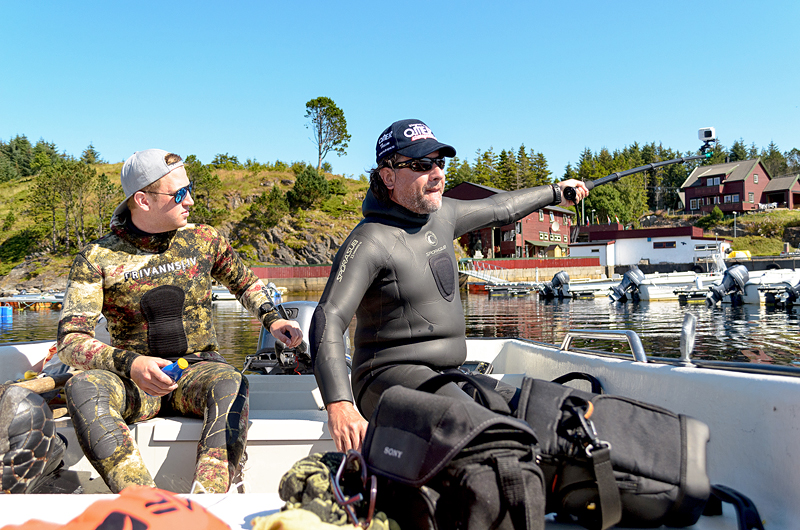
x=220 y=293
x=758 y=287
x=754 y=419
x=660 y=287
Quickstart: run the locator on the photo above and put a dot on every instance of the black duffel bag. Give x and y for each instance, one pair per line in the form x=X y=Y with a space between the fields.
x=467 y=466
x=610 y=460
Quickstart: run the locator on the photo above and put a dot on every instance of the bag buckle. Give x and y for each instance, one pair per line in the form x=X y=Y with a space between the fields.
x=347 y=504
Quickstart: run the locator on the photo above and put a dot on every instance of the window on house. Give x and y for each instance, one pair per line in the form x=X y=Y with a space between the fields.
x=595 y=251
x=751 y=197
x=552 y=237
x=735 y=197
x=727 y=199
x=755 y=179
x=716 y=199
x=552 y=217
x=716 y=181
x=541 y=215
x=711 y=182
x=664 y=244
x=693 y=204
x=543 y=236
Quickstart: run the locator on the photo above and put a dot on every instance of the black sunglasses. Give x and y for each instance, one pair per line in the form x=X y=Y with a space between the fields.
x=178 y=195
x=420 y=164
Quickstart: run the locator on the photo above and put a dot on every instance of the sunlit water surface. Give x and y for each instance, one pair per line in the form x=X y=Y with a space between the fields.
x=726 y=333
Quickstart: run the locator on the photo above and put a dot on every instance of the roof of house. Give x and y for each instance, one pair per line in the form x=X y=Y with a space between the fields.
x=783 y=183
x=731 y=171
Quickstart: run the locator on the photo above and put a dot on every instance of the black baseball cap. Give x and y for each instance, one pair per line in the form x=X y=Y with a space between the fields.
x=411 y=138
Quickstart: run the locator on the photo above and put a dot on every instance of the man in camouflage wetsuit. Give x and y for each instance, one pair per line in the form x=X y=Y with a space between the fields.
x=151 y=278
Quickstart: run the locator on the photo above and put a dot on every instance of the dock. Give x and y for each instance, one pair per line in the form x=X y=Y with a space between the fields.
x=33 y=302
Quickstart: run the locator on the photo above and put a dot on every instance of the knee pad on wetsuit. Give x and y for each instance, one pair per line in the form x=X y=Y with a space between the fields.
x=30 y=448
x=89 y=402
x=228 y=395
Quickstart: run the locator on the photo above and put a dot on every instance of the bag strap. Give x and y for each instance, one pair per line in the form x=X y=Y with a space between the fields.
x=597 y=386
x=513 y=490
x=610 y=502
x=746 y=511
x=487 y=396
x=599 y=454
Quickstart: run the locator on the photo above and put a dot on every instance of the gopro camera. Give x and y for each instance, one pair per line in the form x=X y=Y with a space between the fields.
x=707 y=134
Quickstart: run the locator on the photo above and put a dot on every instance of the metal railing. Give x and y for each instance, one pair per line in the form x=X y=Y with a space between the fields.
x=635 y=343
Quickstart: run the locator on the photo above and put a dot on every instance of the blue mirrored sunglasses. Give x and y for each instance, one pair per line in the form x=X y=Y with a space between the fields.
x=178 y=195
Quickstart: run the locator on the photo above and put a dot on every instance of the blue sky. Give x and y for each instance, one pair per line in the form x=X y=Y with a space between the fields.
x=234 y=77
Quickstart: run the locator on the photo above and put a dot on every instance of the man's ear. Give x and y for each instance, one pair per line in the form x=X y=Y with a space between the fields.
x=142 y=200
x=388 y=176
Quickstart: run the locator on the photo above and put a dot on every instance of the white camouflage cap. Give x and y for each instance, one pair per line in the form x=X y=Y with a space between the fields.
x=142 y=169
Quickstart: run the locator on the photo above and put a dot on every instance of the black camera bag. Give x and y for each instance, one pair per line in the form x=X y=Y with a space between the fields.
x=473 y=468
x=610 y=460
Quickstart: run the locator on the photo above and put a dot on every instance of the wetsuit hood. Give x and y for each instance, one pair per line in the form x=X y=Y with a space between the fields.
x=393 y=213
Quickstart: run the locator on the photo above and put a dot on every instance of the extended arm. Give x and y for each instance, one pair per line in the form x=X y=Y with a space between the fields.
x=505 y=208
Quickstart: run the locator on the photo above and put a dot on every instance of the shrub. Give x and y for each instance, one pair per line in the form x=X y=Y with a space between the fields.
x=309 y=188
x=711 y=219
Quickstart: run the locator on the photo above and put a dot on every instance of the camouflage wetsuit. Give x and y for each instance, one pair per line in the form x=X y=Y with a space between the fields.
x=155 y=291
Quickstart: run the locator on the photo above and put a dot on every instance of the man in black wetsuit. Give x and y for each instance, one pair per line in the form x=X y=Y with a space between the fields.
x=397 y=273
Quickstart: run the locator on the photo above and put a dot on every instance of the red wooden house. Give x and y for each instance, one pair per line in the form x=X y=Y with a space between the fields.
x=737 y=187
x=543 y=233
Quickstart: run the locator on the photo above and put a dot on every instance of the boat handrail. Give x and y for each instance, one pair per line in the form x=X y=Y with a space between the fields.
x=628 y=335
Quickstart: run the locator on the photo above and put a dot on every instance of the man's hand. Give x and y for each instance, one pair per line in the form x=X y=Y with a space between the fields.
x=581 y=191
x=346 y=426
x=146 y=373
x=288 y=332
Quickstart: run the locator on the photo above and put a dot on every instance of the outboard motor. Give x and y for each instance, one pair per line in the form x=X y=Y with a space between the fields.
x=630 y=282
x=790 y=296
x=558 y=287
x=272 y=357
x=732 y=284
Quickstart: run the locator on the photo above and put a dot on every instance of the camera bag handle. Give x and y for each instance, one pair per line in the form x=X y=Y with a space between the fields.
x=486 y=396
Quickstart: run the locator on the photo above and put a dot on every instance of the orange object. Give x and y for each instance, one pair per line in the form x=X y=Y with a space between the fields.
x=137 y=508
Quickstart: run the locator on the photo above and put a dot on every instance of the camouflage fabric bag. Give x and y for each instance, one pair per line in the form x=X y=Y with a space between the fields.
x=311 y=485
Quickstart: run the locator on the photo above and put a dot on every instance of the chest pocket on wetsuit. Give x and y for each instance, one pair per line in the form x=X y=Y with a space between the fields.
x=163 y=309
x=442 y=269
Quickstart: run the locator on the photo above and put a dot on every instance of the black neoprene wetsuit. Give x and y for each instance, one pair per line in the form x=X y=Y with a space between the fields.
x=397 y=273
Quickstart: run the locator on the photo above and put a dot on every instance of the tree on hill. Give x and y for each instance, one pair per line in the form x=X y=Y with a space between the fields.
x=91 y=156
x=457 y=171
x=329 y=126
x=226 y=161
x=774 y=161
x=268 y=209
x=309 y=188
x=207 y=187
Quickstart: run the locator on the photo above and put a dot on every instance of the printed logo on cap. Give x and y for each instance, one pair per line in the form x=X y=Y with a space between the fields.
x=386 y=143
x=418 y=131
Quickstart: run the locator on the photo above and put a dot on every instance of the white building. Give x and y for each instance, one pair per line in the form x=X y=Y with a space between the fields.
x=615 y=246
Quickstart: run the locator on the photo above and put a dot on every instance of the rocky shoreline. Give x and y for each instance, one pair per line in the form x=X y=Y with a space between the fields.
x=34 y=276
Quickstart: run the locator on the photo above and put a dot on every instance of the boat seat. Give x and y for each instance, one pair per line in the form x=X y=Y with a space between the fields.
x=286 y=424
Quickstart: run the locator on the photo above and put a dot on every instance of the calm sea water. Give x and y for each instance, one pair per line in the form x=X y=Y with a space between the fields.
x=725 y=333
